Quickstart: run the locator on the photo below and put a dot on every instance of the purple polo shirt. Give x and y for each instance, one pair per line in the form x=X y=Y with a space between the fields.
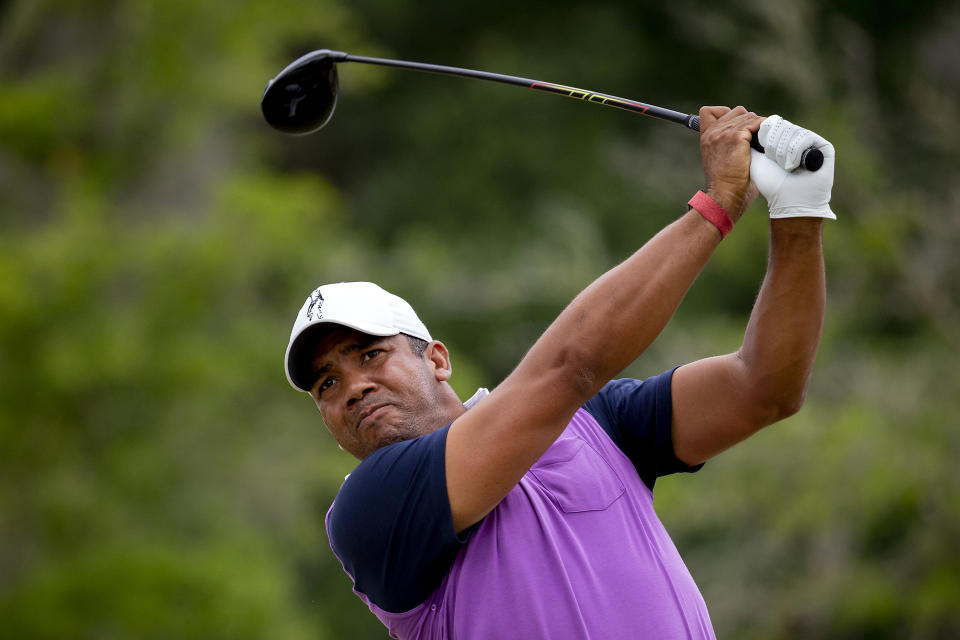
x=574 y=551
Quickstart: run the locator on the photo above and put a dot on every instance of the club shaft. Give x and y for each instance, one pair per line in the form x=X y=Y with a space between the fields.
x=654 y=111
x=811 y=158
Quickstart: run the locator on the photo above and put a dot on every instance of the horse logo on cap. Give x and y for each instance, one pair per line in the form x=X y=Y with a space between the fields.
x=315 y=306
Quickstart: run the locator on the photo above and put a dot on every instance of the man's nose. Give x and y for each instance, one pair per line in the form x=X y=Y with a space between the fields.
x=357 y=386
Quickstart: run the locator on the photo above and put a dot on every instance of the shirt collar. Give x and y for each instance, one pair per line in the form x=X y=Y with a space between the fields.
x=476 y=397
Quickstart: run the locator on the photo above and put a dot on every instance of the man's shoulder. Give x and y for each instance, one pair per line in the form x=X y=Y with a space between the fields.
x=390 y=523
x=396 y=459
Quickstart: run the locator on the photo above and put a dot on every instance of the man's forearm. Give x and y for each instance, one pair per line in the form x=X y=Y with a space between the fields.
x=783 y=334
x=616 y=318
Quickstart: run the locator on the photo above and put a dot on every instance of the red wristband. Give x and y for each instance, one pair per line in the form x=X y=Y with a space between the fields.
x=713 y=212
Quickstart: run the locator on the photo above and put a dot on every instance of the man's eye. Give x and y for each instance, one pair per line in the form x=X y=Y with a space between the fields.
x=373 y=353
x=324 y=384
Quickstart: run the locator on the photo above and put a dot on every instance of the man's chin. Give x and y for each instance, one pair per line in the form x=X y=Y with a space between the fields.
x=385 y=435
x=384 y=432
x=392 y=439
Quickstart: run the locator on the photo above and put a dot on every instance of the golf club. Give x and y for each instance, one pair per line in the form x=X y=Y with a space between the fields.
x=301 y=98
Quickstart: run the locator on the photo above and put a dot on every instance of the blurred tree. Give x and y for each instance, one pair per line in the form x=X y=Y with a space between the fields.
x=157 y=478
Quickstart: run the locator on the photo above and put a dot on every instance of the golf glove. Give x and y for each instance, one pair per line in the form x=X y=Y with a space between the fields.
x=792 y=193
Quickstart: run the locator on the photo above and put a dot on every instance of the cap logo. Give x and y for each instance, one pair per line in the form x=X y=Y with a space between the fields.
x=315 y=308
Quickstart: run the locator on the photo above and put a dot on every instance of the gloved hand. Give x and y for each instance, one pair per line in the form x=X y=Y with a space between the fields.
x=792 y=192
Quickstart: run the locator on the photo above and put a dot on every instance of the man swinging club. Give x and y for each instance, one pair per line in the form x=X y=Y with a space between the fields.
x=528 y=512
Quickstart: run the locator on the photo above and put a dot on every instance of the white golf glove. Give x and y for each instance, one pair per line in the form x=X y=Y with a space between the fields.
x=792 y=192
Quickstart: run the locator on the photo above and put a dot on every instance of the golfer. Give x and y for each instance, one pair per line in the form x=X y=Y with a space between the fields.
x=527 y=512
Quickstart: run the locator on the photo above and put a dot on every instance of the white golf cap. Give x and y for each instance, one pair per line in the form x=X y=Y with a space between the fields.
x=358 y=305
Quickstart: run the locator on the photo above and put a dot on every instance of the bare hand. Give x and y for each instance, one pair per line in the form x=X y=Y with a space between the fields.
x=725 y=149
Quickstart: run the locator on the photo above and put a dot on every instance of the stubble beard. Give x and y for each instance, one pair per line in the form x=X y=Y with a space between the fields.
x=408 y=425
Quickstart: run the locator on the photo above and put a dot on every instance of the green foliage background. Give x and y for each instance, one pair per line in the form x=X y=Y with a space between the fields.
x=158 y=479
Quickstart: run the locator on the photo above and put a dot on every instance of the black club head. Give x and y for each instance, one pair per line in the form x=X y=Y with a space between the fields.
x=301 y=98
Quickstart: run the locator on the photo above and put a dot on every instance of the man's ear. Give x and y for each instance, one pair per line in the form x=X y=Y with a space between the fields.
x=436 y=353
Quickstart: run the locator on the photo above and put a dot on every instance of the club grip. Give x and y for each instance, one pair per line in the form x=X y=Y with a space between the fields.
x=811 y=159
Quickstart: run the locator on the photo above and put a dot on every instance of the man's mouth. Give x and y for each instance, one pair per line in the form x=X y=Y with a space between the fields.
x=369 y=414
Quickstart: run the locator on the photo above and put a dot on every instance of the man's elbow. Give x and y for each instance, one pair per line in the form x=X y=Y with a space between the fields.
x=795 y=404
x=577 y=372
x=780 y=407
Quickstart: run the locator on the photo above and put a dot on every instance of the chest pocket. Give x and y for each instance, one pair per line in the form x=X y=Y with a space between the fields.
x=577 y=477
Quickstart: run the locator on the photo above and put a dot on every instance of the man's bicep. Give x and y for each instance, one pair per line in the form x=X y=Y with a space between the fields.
x=714 y=407
x=492 y=445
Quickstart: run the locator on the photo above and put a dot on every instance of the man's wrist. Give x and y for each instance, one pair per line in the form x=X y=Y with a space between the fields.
x=812 y=227
x=730 y=202
x=713 y=212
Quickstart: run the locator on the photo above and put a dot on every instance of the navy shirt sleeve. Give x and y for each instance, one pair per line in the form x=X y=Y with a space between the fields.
x=390 y=524
x=636 y=414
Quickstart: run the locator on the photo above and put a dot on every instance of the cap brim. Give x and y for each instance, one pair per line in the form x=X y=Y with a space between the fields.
x=299 y=354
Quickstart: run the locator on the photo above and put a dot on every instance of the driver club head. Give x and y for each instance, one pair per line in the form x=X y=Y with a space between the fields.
x=301 y=98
